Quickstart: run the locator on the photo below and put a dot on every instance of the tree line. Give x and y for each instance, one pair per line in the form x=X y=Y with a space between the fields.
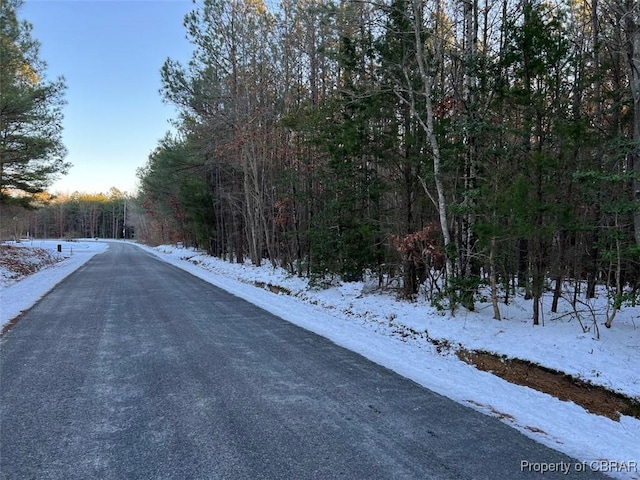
x=79 y=215
x=455 y=143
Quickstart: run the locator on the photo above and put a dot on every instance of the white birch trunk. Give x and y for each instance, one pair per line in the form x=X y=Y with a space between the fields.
x=428 y=126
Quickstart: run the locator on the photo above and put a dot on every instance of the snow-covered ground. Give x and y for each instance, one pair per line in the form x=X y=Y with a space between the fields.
x=19 y=294
x=372 y=325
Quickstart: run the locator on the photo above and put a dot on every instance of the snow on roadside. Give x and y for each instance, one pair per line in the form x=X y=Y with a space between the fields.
x=613 y=361
x=369 y=324
x=19 y=294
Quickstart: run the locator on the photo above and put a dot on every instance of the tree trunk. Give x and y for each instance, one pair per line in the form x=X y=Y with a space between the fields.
x=634 y=82
x=557 y=292
x=611 y=314
x=493 y=279
x=469 y=87
x=428 y=126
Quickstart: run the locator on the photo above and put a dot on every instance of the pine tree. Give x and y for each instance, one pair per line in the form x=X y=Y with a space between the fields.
x=31 y=150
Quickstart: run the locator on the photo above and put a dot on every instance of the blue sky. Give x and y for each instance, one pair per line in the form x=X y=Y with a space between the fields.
x=110 y=53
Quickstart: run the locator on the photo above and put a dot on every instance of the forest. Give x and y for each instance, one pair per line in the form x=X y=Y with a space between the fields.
x=470 y=148
x=111 y=215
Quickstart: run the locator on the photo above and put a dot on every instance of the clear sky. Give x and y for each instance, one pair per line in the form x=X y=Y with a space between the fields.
x=110 y=53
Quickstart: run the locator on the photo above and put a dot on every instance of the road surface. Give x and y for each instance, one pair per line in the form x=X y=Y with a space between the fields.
x=134 y=369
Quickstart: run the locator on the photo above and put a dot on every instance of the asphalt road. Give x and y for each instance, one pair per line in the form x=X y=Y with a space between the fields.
x=134 y=369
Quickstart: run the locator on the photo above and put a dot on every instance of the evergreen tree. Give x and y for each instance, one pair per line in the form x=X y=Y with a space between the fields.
x=31 y=150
